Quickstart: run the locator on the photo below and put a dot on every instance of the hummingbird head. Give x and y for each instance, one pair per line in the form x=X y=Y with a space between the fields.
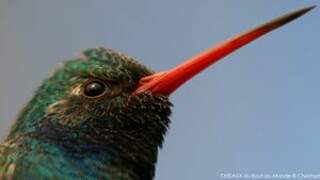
x=91 y=101
x=94 y=94
x=89 y=106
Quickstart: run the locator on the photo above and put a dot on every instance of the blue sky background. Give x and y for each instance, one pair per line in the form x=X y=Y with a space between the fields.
x=257 y=111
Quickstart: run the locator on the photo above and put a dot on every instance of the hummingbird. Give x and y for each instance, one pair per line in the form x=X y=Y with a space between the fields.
x=103 y=115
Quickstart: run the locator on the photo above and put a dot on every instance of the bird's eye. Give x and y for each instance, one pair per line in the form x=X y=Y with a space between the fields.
x=94 y=89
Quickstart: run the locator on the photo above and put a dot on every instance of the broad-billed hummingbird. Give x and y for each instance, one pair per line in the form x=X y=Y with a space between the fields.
x=103 y=115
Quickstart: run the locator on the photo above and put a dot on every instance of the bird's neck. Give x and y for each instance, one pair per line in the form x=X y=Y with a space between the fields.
x=74 y=160
x=72 y=156
x=118 y=156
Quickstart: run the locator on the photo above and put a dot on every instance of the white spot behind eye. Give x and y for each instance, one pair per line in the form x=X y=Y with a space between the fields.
x=76 y=91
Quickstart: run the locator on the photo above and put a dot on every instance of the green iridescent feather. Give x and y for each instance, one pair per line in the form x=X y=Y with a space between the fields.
x=62 y=134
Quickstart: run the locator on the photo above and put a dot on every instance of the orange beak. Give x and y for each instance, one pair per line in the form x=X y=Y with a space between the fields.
x=168 y=81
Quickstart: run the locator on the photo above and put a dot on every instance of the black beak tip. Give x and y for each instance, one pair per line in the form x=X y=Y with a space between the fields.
x=284 y=19
x=308 y=8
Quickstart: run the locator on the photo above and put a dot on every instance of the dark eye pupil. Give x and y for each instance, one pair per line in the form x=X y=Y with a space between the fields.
x=94 y=89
